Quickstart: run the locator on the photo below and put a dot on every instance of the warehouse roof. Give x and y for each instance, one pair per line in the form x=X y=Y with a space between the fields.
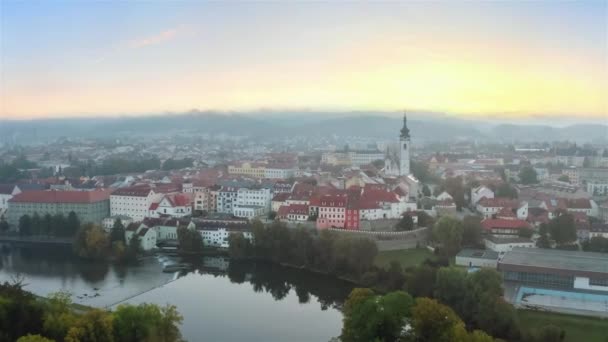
x=478 y=254
x=555 y=261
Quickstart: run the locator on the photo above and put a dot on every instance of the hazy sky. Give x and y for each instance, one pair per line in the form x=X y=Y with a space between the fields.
x=78 y=58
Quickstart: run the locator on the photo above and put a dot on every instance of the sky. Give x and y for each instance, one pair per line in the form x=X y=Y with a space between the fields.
x=511 y=59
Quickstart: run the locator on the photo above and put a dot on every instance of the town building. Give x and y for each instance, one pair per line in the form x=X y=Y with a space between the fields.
x=397 y=161
x=108 y=223
x=477 y=258
x=480 y=192
x=505 y=244
x=598 y=230
x=503 y=227
x=555 y=268
x=172 y=205
x=7 y=191
x=216 y=233
x=293 y=213
x=132 y=201
x=89 y=206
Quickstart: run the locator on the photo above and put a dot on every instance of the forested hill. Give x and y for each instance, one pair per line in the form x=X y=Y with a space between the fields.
x=423 y=127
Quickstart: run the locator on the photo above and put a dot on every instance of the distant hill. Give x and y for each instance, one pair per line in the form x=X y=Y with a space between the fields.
x=423 y=127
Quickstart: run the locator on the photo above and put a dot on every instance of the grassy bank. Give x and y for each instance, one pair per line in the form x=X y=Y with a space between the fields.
x=578 y=328
x=406 y=257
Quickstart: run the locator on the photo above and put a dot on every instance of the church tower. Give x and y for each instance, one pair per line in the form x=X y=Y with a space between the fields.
x=404 y=147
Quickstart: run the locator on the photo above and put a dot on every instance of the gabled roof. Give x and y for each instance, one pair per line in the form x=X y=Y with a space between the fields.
x=489 y=224
x=506 y=213
x=7 y=189
x=281 y=197
x=497 y=202
x=578 y=203
x=133 y=191
x=293 y=209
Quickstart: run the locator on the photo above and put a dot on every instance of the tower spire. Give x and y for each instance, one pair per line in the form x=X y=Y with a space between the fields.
x=405 y=132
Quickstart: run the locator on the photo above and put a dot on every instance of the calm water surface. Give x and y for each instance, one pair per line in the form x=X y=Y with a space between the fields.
x=220 y=301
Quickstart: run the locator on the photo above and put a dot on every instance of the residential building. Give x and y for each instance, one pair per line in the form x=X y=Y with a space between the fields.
x=132 y=201
x=251 y=169
x=108 y=222
x=488 y=207
x=332 y=209
x=7 y=191
x=480 y=192
x=293 y=213
x=172 y=205
x=216 y=233
x=503 y=227
x=598 y=230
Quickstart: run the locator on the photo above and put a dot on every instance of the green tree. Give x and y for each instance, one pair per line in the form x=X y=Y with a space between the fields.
x=506 y=190
x=455 y=188
x=549 y=333
x=426 y=191
x=59 y=316
x=33 y=338
x=25 y=225
x=117 y=234
x=433 y=321
x=525 y=233
x=190 y=241
x=543 y=240
x=450 y=286
x=239 y=247
x=94 y=326
x=72 y=224
x=36 y=224
x=147 y=322
x=406 y=223
x=596 y=244
x=447 y=232
x=47 y=225
x=420 y=280
x=564 y=178
x=471 y=231
x=91 y=242
x=4 y=227
x=59 y=225
x=562 y=228
x=20 y=312
x=527 y=175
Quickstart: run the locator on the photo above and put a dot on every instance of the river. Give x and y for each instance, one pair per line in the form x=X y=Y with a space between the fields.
x=220 y=300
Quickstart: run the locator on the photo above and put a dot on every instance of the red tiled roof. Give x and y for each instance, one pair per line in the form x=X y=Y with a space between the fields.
x=297 y=209
x=507 y=213
x=6 y=189
x=281 y=197
x=497 y=202
x=333 y=201
x=179 y=200
x=489 y=224
x=153 y=206
x=133 y=226
x=578 y=203
x=135 y=191
x=61 y=196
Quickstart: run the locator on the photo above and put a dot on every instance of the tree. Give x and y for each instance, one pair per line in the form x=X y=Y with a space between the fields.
x=34 y=338
x=525 y=233
x=455 y=188
x=72 y=224
x=426 y=191
x=25 y=225
x=432 y=321
x=543 y=240
x=471 y=233
x=424 y=220
x=58 y=316
x=596 y=244
x=527 y=175
x=47 y=225
x=133 y=248
x=4 y=227
x=91 y=242
x=239 y=247
x=36 y=224
x=564 y=178
x=448 y=233
x=117 y=234
x=20 y=312
x=450 y=285
x=368 y=317
x=506 y=190
x=272 y=215
x=405 y=224
x=562 y=228
x=420 y=280
x=146 y=322
x=94 y=325
x=59 y=225
x=190 y=241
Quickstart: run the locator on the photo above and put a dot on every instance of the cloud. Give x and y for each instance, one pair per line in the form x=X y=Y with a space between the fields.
x=156 y=39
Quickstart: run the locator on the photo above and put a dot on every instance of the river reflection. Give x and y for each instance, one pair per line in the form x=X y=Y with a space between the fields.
x=220 y=300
